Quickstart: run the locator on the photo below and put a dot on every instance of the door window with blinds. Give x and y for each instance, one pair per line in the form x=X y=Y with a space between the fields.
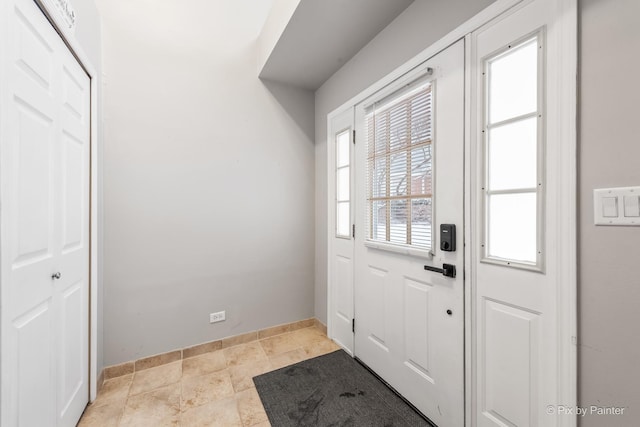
x=399 y=137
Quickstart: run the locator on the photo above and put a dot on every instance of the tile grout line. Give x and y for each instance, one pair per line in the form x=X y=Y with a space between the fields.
x=130 y=367
x=277 y=344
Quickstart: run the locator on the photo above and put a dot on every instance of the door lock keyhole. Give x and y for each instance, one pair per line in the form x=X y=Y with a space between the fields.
x=449 y=312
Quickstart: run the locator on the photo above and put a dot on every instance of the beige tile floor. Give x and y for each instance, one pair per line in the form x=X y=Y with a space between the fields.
x=214 y=389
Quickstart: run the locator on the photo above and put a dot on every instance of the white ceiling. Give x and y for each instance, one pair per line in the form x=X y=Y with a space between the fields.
x=324 y=34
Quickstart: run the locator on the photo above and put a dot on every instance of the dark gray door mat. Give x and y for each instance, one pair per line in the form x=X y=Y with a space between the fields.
x=332 y=390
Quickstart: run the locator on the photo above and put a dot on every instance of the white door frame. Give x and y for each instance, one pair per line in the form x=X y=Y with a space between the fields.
x=567 y=357
x=54 y=16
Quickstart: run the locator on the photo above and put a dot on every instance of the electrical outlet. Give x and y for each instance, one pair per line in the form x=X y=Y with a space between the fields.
x=217 y=317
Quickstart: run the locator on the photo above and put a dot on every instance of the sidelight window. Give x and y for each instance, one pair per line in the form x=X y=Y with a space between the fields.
x=343 y=184
x=513 y=140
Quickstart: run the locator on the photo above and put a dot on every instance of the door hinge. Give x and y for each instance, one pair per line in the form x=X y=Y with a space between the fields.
x=354 y=136
x=353 y=325
x=353 y=231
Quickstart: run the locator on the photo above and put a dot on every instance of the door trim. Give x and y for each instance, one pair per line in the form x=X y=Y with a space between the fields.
x=95 y=189
x=567 y=218
x=567 y=22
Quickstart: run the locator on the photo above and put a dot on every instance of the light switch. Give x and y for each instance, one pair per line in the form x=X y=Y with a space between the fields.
x=610 y=207
x=632 y=206
x=617 y=206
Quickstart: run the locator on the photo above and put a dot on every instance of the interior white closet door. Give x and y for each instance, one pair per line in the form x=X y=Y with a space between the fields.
x=44 y=177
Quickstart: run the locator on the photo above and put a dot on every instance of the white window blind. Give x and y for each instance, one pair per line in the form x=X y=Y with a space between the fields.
x=399 y=169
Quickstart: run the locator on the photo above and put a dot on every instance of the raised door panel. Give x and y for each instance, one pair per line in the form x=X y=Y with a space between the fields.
x=72 y=348
x=416 y=325
x=32 y=189
x=343 y=287
x=343 y=300
x=33 y=367
x=375 y=335
x=35 y=54
x=377 y=284
x=73 y=194
x=510 y=348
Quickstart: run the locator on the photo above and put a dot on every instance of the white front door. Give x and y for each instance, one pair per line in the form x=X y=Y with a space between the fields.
x=409 y=322
x=44 y=175
x=341 y=171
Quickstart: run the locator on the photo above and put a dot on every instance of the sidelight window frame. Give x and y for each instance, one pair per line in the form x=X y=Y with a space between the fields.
x=537 y=265
x=348 y=167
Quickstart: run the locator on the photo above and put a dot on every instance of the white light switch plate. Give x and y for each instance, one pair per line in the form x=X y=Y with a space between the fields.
x=617 y=206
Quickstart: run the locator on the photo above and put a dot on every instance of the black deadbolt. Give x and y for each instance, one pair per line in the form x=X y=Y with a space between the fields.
x=448 y=237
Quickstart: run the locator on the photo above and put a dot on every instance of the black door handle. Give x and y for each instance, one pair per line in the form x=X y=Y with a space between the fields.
x=447 y=270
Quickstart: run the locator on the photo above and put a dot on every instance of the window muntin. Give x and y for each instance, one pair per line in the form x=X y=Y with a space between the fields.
x=400 y=169
x=343 y=183
x=512 y=186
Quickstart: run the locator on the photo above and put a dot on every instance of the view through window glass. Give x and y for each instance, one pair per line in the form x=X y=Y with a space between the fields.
x=400 y=169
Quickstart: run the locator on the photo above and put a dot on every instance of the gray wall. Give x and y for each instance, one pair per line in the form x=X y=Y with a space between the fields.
x=609 y=266
x=418 y=27
x=208 y=179
x=88 y=31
